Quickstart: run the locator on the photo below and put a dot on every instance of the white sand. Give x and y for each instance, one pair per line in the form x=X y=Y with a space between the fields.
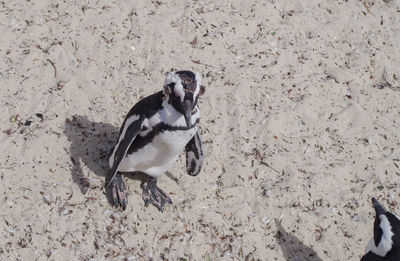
x=293 y=123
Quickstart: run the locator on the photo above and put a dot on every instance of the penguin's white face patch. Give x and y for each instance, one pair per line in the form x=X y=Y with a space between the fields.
x=179 y=92
x=172 y=77
x=386 y=242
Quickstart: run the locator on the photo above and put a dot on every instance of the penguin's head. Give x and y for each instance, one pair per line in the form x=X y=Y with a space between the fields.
x=386 y=232
x=182 y=89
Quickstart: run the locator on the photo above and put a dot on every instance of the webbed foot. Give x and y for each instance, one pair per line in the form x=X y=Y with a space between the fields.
x=119 y=192
x=154 y=195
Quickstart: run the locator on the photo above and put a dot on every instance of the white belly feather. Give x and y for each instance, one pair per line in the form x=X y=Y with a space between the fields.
x=156 y=157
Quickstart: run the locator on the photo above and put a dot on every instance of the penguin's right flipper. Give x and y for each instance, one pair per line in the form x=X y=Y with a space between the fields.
x=379 y=209
x=119 y=192
x=194 y=155
x=129 y=130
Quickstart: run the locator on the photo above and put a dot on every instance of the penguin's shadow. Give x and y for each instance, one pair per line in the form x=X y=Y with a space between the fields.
x=91 y=143
x=292 y=247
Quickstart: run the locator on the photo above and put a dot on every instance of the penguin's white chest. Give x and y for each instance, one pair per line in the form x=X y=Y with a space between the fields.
x=159 y=154
x=173 y=142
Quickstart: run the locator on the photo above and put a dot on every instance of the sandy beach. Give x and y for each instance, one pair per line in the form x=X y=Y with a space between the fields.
x=300 y=126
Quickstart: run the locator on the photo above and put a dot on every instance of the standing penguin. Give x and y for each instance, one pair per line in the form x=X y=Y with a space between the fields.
x=385 y=244
x=153 y=134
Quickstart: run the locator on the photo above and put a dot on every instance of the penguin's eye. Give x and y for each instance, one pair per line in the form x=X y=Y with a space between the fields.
x=171 y=85
x=168 y=88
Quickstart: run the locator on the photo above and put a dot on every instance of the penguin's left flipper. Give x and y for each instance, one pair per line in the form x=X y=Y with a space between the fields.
x=119 y=192
x=154 y=195
x=129 y=130
x=194 y=155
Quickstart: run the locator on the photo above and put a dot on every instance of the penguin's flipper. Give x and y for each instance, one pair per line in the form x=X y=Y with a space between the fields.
x=154 y=195
x=119 y=192
x=129 y=130
x=194 y=155
x=379 y=209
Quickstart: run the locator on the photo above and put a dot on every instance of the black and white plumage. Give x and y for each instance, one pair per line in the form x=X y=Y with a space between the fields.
x=154 y=133
x=385 y=244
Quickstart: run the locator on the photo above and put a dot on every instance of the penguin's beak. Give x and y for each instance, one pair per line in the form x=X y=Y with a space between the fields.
x=379 y=209
x=187 y=110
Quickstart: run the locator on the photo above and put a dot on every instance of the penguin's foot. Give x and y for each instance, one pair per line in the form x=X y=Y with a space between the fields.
x=119 y=192
x=154 y=195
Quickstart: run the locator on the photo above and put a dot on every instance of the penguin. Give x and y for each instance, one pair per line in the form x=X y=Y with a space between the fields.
x=385 y=244
x=155 y=131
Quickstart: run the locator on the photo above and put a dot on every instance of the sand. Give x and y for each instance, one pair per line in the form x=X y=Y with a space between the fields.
x=300 y=124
